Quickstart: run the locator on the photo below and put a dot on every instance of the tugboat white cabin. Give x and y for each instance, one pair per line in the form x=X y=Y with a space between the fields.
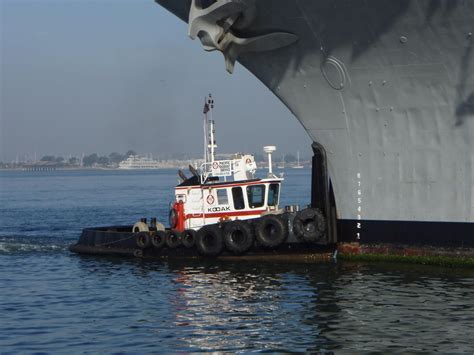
x=223 y=190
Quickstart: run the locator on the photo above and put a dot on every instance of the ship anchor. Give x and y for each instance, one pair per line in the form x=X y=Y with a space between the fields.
x=213 y=26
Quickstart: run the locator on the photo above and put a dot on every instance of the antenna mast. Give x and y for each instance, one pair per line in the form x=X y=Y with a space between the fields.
x=211 y=130
x=205 y=111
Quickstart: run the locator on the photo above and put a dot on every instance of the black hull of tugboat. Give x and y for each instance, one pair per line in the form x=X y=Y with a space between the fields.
x=120 y=241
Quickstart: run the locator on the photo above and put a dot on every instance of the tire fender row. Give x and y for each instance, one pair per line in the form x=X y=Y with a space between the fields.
x=239 y=236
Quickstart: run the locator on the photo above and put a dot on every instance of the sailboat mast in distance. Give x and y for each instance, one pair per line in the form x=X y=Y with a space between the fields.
x=298 y=166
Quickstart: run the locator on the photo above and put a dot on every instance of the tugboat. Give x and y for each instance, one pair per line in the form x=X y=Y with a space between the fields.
x=222 y=208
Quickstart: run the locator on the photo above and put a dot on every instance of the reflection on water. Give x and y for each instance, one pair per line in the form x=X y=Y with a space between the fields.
x=254 y=308
x=63 y=301
x=244 y=306
x=323 y=307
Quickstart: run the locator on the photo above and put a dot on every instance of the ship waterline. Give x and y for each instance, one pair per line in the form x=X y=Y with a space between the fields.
x=387 y=89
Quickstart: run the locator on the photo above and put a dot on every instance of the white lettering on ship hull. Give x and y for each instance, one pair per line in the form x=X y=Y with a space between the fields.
x=218 y=209
x=359 y=207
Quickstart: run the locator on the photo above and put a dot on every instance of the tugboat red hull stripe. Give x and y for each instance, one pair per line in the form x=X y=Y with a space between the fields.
x=257 y=213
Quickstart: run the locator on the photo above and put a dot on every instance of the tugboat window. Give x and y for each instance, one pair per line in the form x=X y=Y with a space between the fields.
x=222 y=197
x=273 y=192
x=238 y=196
x=256 y=195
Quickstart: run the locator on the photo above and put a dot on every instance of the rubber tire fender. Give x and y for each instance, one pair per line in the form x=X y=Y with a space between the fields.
x=158 y=239
x=142 y=240
x=173 y=239
x=209 y=240
x=188 y=238
x=238 y=237
x=140 y=227
x=271 y=230
x=309 y=225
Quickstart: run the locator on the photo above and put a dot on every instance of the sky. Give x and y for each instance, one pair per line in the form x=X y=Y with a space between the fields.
x=85 y=76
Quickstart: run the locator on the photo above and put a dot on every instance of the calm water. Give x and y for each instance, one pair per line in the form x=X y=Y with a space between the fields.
x=55 y=301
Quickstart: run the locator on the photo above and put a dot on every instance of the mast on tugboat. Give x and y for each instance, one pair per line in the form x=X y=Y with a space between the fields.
x=209 y=130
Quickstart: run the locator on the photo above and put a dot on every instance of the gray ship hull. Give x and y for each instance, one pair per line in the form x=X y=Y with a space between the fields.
x=387 y=88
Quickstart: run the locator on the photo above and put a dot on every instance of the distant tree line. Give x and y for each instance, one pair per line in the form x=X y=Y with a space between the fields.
x=113 y=159
x=89 y=160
